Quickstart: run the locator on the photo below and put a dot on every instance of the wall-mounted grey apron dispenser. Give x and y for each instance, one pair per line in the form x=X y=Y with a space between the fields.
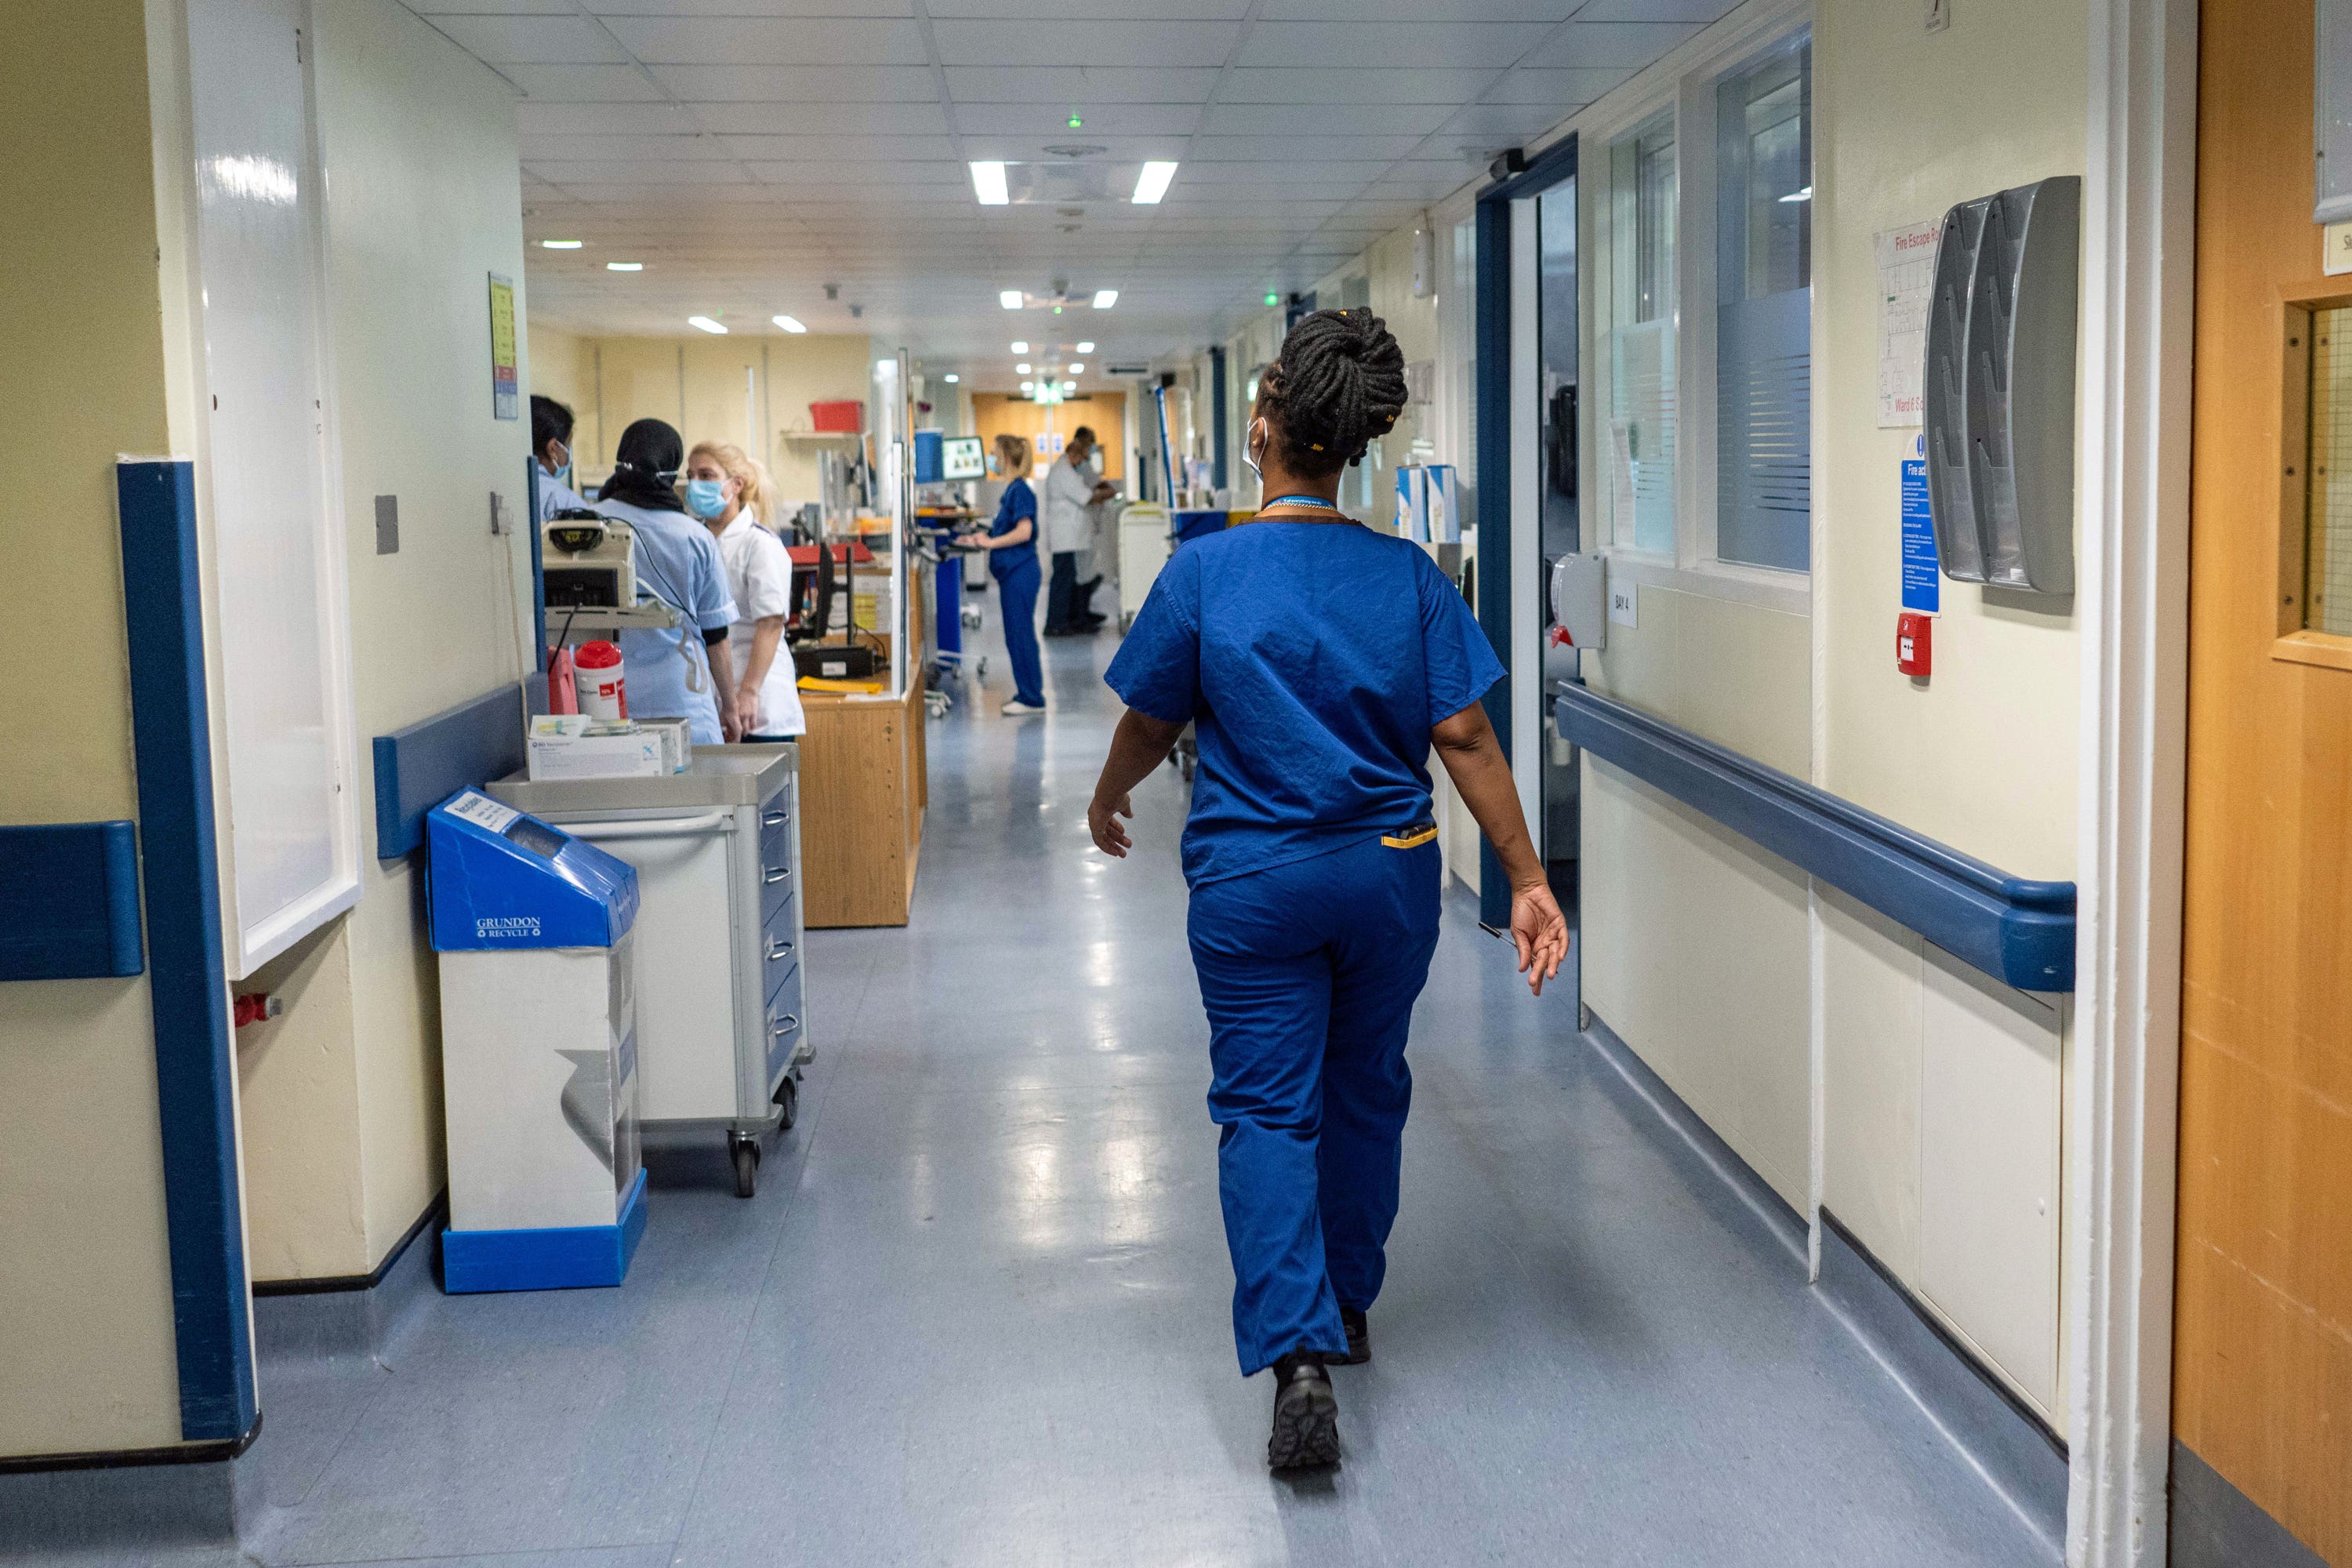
x=2001 y=388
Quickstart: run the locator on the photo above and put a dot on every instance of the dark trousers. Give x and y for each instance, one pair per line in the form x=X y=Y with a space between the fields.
x=1059 y=593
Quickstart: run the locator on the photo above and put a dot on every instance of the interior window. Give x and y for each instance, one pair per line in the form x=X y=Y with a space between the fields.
x=1638 y=461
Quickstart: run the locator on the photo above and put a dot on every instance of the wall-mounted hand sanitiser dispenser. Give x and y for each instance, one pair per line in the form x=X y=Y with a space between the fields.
x=2001 y=388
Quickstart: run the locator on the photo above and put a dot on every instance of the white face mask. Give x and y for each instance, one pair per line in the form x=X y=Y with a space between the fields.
x=1249 y=452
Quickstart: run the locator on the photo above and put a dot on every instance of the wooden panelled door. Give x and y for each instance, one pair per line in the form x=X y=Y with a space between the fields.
x=2262 y=1358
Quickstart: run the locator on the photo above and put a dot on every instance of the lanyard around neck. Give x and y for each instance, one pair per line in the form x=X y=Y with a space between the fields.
x=1316 y=502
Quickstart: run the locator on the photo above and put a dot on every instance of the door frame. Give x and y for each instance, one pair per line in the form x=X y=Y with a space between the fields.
x=2138 y=317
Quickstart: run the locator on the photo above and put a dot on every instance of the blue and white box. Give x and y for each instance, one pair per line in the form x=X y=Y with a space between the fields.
x=539 y=1051
x=1412 y=502
x=1444 y=504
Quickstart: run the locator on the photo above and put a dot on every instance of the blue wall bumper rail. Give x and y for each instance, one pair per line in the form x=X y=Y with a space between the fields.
x=69 y=901
x=419 y=767
x=2017 y=930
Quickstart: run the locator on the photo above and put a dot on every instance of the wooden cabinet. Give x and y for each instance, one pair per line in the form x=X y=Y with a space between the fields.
x=863 y=789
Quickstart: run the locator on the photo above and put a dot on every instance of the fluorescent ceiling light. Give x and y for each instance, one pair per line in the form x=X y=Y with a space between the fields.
x=951 y=378
x=1010 y=298
x=1028 y=386
x=707 y=324
x=1022 y=369
x=1804 y=195
x=559 y=245
x=1086 y=348
x=1152 y=184
x=1021 y=348
x=1069 y=386
x=1076 y=369
x=789 y=323
x=886 y=367
x=1106 y=297
x=625 y=266
x=988 y=183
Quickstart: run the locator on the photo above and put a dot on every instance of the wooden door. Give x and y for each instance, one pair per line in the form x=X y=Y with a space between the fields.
x=2262 y=1360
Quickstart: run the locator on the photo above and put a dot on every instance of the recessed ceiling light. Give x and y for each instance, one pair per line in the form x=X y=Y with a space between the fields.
x=1069 y=386
x=789 y=323
x=705 y=324
x=886 y=367
x=1010 y=298
x=1106 y=297
x=1028 y=386
x=951 y=378
x=1021 y=369
x=1078 y=369
x=1152 y=184
x=988 y=183
x=1086 y=348
x=1021 y=348
x=559 y=245
x=625 y=266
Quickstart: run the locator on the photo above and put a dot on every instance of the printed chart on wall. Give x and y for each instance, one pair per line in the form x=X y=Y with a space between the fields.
x=1907 y=279
x=1922 y=588
x=505 y=382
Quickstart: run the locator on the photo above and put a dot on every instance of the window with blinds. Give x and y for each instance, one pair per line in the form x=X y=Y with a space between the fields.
x=1638 y=455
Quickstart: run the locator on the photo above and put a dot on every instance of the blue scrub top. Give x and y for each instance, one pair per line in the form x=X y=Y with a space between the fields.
x=554 y=495
x=678 y=563
x=1315 y=658
x=1019 y=501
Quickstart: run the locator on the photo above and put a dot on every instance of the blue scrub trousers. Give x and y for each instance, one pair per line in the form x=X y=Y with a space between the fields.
x=1309 y=972
x=1016 y=593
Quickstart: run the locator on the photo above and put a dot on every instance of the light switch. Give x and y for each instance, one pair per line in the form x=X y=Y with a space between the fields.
x=388 y=525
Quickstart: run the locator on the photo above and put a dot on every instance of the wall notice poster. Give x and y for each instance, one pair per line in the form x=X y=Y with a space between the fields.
x=506 y=385
x=1907 y=279
x=1922 y=586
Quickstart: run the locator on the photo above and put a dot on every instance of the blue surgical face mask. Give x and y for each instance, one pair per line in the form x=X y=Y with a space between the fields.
x=706 y=499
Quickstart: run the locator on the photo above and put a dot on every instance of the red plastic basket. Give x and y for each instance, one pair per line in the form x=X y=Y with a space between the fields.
x=843 y=418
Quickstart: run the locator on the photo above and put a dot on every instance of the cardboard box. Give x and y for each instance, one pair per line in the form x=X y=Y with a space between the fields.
x=572 y=746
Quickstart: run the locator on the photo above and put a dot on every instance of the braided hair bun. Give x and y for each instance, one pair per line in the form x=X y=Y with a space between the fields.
x=1338 y=384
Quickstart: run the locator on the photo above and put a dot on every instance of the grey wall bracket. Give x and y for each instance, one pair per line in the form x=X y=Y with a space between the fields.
x=2001 y=388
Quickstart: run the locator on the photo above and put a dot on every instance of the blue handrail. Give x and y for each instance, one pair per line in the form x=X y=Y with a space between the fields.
x=2015 y=928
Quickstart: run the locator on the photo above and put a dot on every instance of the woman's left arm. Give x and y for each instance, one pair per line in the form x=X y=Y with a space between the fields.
x=1140 y=744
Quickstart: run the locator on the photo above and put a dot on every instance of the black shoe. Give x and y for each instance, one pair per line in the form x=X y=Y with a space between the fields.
x=1305 y=1414
x=1360 y=1340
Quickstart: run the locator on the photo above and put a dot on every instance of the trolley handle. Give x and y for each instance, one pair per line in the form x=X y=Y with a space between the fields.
x=652 y=827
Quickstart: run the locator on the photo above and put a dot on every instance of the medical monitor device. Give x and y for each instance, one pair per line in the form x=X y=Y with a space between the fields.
x=588 y=561
x=963 y=458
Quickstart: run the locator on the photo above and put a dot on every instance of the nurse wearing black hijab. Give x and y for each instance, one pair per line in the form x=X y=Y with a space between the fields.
x=674 y=674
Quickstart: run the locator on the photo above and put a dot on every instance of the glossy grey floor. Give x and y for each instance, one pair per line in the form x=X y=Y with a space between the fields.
x=977 y=1312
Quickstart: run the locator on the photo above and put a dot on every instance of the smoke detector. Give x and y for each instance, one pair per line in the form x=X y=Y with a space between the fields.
x=1075 y=150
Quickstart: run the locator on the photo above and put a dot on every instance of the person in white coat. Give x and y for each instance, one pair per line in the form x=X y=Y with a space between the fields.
x=1071 y=489
x=732 y=495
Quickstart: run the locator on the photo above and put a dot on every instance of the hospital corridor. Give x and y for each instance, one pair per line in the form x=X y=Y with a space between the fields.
x=1176 y=783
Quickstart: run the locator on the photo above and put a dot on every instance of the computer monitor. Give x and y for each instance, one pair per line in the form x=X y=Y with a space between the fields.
x=962 y=457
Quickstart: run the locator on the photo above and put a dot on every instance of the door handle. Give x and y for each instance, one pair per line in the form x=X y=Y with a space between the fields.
x=777 y=949
x=787 y=1024
x=775 y=818
x=777 y=874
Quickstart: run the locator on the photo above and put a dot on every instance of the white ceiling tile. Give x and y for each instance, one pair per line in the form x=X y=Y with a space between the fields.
x=583 y=84
x=1698 y=11
x=1589 y=44
x=1366 y=118
x=536 y=119
x=1115 y=149
x=1290 y=170
x=639 y=194
x=764 y=41
x=837 y=149
x=799 y=84
x=1418 y=10
x=1322 y=45
x=1050 y=12
x=437 y=8
x=1226 y=149
x=927 y=119
x=671 y=149
x=837 y=172
x=759 y=7
x=1117 y=119
x=1563 y=89
x=572 y=173
x=1515 y=122
x=1077 y=86
x=532 y=40
x=1079 y=43
x=1373 y=88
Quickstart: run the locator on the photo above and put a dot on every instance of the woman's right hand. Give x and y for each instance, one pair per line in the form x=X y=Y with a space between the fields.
x=1541 y=933
x=1102 y=821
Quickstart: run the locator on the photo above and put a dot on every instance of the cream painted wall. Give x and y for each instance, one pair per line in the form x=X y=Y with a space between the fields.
x=86 y=1296
x=697 y=383
x=342 y=1104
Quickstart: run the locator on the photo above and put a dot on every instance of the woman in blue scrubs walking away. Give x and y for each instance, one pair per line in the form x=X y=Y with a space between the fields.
x=1322 y=662
x=1011 y=544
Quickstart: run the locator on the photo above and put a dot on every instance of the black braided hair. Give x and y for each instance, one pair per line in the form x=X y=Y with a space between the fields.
x=1337 y=382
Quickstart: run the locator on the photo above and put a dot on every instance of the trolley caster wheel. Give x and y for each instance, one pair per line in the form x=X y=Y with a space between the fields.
x=1188 y=766
x=971 y=617
x=747 y=1166
x=788 y=1103
x=1583 y=1018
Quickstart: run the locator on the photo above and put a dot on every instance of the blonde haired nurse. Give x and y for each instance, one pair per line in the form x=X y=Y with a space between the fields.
x=731 y=493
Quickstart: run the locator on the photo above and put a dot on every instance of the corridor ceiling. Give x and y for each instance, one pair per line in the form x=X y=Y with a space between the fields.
x=749 y=153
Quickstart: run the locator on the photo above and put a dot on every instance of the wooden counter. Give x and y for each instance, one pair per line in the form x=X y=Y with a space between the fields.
x=864 y=785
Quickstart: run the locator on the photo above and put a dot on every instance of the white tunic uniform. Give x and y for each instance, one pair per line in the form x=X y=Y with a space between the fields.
x=760 y=574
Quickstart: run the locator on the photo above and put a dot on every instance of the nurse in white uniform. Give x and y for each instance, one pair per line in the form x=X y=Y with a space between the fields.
x=678 y=673
x=732 y=494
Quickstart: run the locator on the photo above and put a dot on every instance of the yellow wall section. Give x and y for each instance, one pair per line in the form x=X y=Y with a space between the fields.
x=342 y=1105
x=697 y=385
x=85 y=1297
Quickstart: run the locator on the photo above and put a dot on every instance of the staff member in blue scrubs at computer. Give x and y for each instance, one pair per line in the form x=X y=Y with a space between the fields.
x=550 y=445
x=678 y=673
x=1011 y=544
x=1322 y=662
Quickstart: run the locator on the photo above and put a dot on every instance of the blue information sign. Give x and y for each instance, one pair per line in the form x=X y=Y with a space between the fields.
x=1921 y=590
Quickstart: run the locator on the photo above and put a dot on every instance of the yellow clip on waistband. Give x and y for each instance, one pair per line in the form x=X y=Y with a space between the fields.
x=1411 y=838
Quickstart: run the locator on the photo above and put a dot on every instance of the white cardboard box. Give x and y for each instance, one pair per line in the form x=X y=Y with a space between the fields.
x=571 y=746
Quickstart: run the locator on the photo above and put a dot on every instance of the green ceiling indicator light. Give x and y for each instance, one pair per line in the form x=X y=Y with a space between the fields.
x=1273 y=299
x=1077 y=123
